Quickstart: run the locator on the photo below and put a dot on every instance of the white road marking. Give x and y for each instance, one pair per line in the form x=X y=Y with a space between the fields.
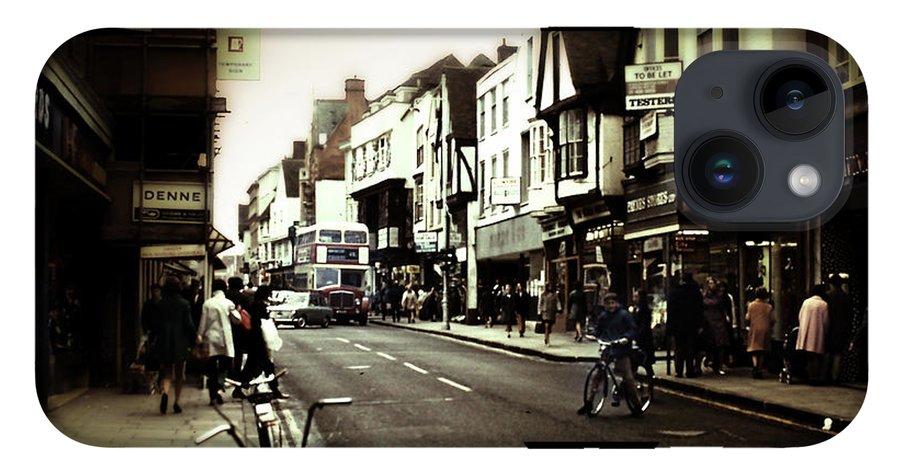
x=358 y=367
x=417 y=369
x=361 y=347
x=342 y=340
x=454 y=384
x=386 y=356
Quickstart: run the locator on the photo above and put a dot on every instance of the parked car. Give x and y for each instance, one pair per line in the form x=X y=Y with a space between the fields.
x=301 y=309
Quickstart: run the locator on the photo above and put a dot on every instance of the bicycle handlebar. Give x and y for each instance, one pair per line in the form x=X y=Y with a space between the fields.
x=258 y=380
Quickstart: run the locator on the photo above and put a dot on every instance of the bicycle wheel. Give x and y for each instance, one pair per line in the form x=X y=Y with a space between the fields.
x=269 y=435
x=643 y=382
x=596 y=389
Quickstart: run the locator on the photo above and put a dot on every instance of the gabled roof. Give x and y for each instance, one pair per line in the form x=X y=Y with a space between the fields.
x=461 y=99
x=290 y=168
x=431 y=75
x=481 y=61
x=596 y=56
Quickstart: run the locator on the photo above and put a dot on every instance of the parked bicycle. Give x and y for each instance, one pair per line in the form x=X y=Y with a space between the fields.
x=604 y=383
x=268 y=426
x=260 y=395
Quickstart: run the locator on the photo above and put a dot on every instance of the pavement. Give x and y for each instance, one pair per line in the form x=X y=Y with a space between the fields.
x=109 y=417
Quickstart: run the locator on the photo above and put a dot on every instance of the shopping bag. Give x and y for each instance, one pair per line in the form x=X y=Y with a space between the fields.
x=270 y=335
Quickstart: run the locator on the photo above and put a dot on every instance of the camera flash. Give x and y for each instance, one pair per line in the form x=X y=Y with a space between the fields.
x=804 y=180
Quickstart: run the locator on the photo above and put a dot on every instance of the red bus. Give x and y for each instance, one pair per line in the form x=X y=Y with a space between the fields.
x=333 y=258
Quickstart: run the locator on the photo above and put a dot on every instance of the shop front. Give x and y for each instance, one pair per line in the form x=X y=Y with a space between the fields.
x=511 y=251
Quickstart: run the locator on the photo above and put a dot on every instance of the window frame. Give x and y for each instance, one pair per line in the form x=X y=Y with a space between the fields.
x=572 y=165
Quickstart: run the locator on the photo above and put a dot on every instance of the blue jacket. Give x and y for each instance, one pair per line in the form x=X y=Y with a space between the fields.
x=612 y=327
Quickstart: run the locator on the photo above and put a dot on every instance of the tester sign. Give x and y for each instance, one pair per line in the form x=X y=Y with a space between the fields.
x=651 y=86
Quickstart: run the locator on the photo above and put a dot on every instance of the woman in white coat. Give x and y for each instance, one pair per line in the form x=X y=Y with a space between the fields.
x=215 y=333
x=813 y=327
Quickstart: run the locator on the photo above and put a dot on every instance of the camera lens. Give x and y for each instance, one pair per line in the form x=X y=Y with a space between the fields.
x=724 y=171
x=795 y=99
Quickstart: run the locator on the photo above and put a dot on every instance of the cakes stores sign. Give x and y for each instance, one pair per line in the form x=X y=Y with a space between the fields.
x=169 y=202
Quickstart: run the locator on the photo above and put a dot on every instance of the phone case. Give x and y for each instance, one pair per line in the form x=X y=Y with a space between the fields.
x=542 y=159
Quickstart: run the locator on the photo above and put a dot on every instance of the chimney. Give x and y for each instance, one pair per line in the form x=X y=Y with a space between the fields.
x=299 y=150
x=355 y=95
x=504 y=51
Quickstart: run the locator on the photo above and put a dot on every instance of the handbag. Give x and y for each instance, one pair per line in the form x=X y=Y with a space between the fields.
x=539 y=327
x=200 y=352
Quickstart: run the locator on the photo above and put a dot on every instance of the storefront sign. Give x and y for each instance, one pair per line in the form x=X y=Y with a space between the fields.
x=169 y=202
x=654 y=243
x=426 y=241
x=518 y=235
x=505 y=191
x=651 y=86
x=648 y=125
x=650 y=201
x=172 y=251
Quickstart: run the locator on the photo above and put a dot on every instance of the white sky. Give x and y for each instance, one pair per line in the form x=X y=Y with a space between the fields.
x=299 y=66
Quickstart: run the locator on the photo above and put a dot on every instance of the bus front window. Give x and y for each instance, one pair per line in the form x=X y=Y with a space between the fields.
x=330 y=236
x=352 y=277
x=355 y=237
x=326 y=277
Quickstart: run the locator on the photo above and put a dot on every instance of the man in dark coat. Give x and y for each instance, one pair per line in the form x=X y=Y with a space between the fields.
x=235 y=294
x=684 y=321
x=837 y=339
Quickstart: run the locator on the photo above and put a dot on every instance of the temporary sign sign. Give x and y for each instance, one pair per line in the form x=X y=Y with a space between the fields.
x=237 y=54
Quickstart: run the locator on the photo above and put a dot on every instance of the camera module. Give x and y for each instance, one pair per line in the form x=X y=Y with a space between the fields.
x=794 y=99
x=724 y=170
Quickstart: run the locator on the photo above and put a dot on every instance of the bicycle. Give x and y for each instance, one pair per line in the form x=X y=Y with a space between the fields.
x=260 y=396
x=267 y=424
x=597 y=384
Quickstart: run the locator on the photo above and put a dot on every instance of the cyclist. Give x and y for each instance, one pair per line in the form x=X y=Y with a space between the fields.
x=615 y=324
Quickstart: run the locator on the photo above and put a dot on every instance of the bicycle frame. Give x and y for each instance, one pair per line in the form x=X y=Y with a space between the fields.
x=602 y=374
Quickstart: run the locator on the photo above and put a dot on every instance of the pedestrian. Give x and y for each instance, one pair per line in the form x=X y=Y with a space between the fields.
x=258 y=360
x=813 y=331
x=429 y=305
x=577 y=310
x=760 y=320
x=507 y=306
x=215 y=333
x=487 y=310
x=642 y=318
x=410 y=304
x=617 y=325
x=236 y=295
x=716 y=325
x=378 y=304
x=837 y=340
x=550 y=310
x=396 y=297
x=150 y=321
x=523 y=303
x=175 y=334
x=684 y=321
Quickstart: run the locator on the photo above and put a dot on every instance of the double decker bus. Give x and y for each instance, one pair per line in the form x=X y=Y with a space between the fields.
x=333 y=258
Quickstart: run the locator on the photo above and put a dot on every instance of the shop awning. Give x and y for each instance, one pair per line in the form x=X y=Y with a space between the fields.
x=216 y=242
